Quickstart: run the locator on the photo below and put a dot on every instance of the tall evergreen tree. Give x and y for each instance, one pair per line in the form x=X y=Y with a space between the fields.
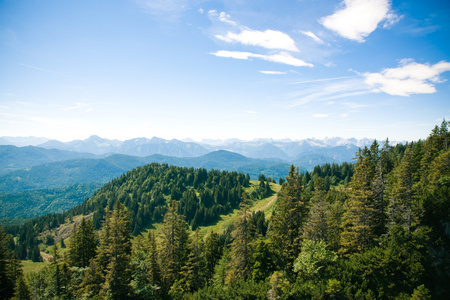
x=316 y=226
x=173 y=252
x=116 y=241
x=83 y=244
x=6 y=282
x=241 y=248
x=213 y=253
x=358 y=220
x=288 y=218
x=401 y=201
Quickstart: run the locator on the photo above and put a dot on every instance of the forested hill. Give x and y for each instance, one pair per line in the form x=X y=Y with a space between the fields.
x=383 y=234
x=147 y=192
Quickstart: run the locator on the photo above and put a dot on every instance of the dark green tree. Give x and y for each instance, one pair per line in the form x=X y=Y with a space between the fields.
x=116 y=241
x=288 y=219
x=213 y=253
x=241 y=248
x=83 y=244
x=173 y=251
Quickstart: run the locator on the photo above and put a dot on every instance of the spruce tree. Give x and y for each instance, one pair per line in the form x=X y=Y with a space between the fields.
x=213 y=253
x=6 y=282
x=241 y=247
x=118 y=253
x=288 y=219
x=401 y=194
x=173 y=252
x=83 y=244
x=21 y=292
x=358 y=220
x=316 y=226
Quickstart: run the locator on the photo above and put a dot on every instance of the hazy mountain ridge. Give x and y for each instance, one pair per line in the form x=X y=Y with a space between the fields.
x=286 y=149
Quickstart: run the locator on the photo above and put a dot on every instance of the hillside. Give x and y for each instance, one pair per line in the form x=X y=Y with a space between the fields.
x=380 y=234
x=14 y=158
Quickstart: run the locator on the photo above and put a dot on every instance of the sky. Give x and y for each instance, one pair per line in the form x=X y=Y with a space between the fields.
x=223 y=69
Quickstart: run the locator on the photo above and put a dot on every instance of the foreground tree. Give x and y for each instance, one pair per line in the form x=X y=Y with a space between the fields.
x=83 y=244
x=289 y=216
x=116 y=253
x=173 y=252
x=241 y=248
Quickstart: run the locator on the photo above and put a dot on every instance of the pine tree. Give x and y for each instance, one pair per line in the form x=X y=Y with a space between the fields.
x=288 y=219
x=241 y=248
x=213 y=253
x=6 y=282
x=401 y=201
x=83 y=244
x=316 y=226
x=193 y=272
x=154 y=270
x=22 y=292
x=358 y=220
x=140 y=265
x=118 y=253
x=173 y=252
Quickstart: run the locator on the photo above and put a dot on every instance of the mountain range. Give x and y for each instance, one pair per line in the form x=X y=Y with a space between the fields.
x=68 y=172
x=286 y=150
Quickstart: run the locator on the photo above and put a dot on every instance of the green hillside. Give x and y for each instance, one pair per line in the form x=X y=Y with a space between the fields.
x=165 y=232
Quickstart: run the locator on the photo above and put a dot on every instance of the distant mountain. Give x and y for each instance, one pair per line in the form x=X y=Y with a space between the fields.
x=14 y=158
x=333 y=149
x=146 y=147
x=94 y=144
x=22 y=141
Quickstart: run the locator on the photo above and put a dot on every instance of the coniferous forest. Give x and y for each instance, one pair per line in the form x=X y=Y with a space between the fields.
x=376 y=229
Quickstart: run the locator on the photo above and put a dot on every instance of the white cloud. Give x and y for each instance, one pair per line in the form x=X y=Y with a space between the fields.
x=283 y=57
x=273 y=72
x=312 y=35
x=409 y=78
x=252 y=112
x=269 y=39
x=320 y=115
x=359 y=18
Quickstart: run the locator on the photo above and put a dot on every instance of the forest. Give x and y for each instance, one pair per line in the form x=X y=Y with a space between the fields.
x=376 y=229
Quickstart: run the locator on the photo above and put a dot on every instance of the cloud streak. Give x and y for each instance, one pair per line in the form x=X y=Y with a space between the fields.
x=269 y=39
x=312 y=35
x=357 y=19
x=273 y=72
x=282 y=57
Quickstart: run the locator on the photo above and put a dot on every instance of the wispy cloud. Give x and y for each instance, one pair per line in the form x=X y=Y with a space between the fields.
x=324 y=79
x=167 y=10
x=79 y=105
x=252 y=112
x=273 y=72
x=269 y=39
x=320 y=115
x=328 y=91
x=357 y=19
x=409 y=78
x=312 y=35
x=282 y=57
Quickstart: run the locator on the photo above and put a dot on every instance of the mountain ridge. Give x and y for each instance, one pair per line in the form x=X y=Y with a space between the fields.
x=285 y=149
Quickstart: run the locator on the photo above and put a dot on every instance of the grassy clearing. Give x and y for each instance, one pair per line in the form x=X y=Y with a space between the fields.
x=265 y=205
x=32 y=267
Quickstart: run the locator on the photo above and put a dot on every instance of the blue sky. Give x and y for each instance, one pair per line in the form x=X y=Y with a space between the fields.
x=224 y=69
